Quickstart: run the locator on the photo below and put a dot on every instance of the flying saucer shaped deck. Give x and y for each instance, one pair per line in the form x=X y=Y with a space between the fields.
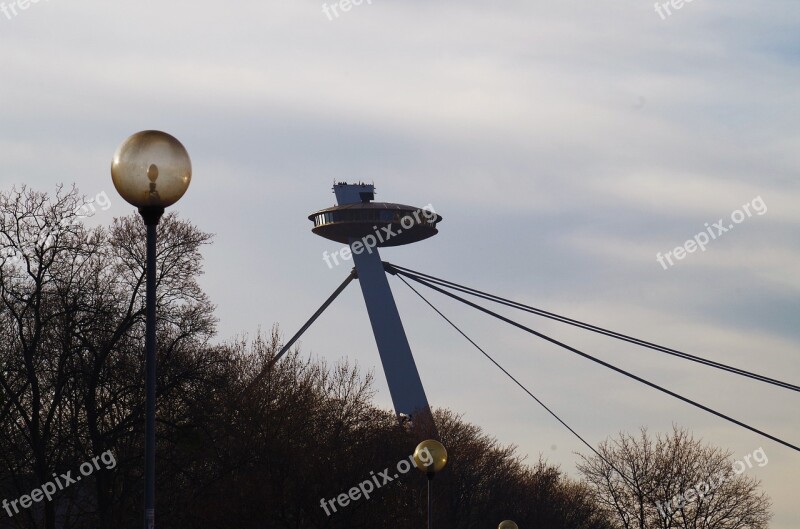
x=391 y=224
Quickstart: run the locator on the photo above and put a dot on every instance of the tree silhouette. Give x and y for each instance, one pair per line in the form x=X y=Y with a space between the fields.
x=673 y=481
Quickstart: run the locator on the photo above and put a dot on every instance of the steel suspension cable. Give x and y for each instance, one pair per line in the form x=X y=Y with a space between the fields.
x=594 y=328
x=517 y=382
x=303 y=329
x=602 y=362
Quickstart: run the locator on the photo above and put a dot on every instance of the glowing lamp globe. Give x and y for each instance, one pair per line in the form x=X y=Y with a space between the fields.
x=507 y=524
x=151 y=169
x=430 y=456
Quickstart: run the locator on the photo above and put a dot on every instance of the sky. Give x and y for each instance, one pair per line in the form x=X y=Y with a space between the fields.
x=565 y=144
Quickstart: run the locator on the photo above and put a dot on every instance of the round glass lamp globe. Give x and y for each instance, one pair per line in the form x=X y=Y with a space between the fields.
x=507 y=524
x=151 y=169
x=430 y=456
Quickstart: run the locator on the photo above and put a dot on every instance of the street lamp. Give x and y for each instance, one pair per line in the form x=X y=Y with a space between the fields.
x=430 y=457
x=151 y=170
x=507 y=524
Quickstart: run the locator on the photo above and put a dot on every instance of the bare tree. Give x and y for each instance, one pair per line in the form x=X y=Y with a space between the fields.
x=37 y=234
x=673 y=482
x=110 y=330
x=71 y=349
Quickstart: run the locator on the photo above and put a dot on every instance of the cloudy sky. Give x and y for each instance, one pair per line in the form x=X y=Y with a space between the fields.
x=565 y=144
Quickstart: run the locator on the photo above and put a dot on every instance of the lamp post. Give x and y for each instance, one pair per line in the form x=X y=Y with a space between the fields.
x=430 y=457
x=151 y=170
x=507 y=524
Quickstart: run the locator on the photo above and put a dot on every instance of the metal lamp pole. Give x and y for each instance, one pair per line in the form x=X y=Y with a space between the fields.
x=151 y=170
x=430 y=499
x=151 y=217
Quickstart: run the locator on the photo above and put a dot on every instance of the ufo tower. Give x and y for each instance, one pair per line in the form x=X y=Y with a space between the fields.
x=365 y=226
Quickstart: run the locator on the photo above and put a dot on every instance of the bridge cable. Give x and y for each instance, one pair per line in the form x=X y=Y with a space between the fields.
x=518 y=383
x=594 y=328
x=303 y=329
x=598 y=361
